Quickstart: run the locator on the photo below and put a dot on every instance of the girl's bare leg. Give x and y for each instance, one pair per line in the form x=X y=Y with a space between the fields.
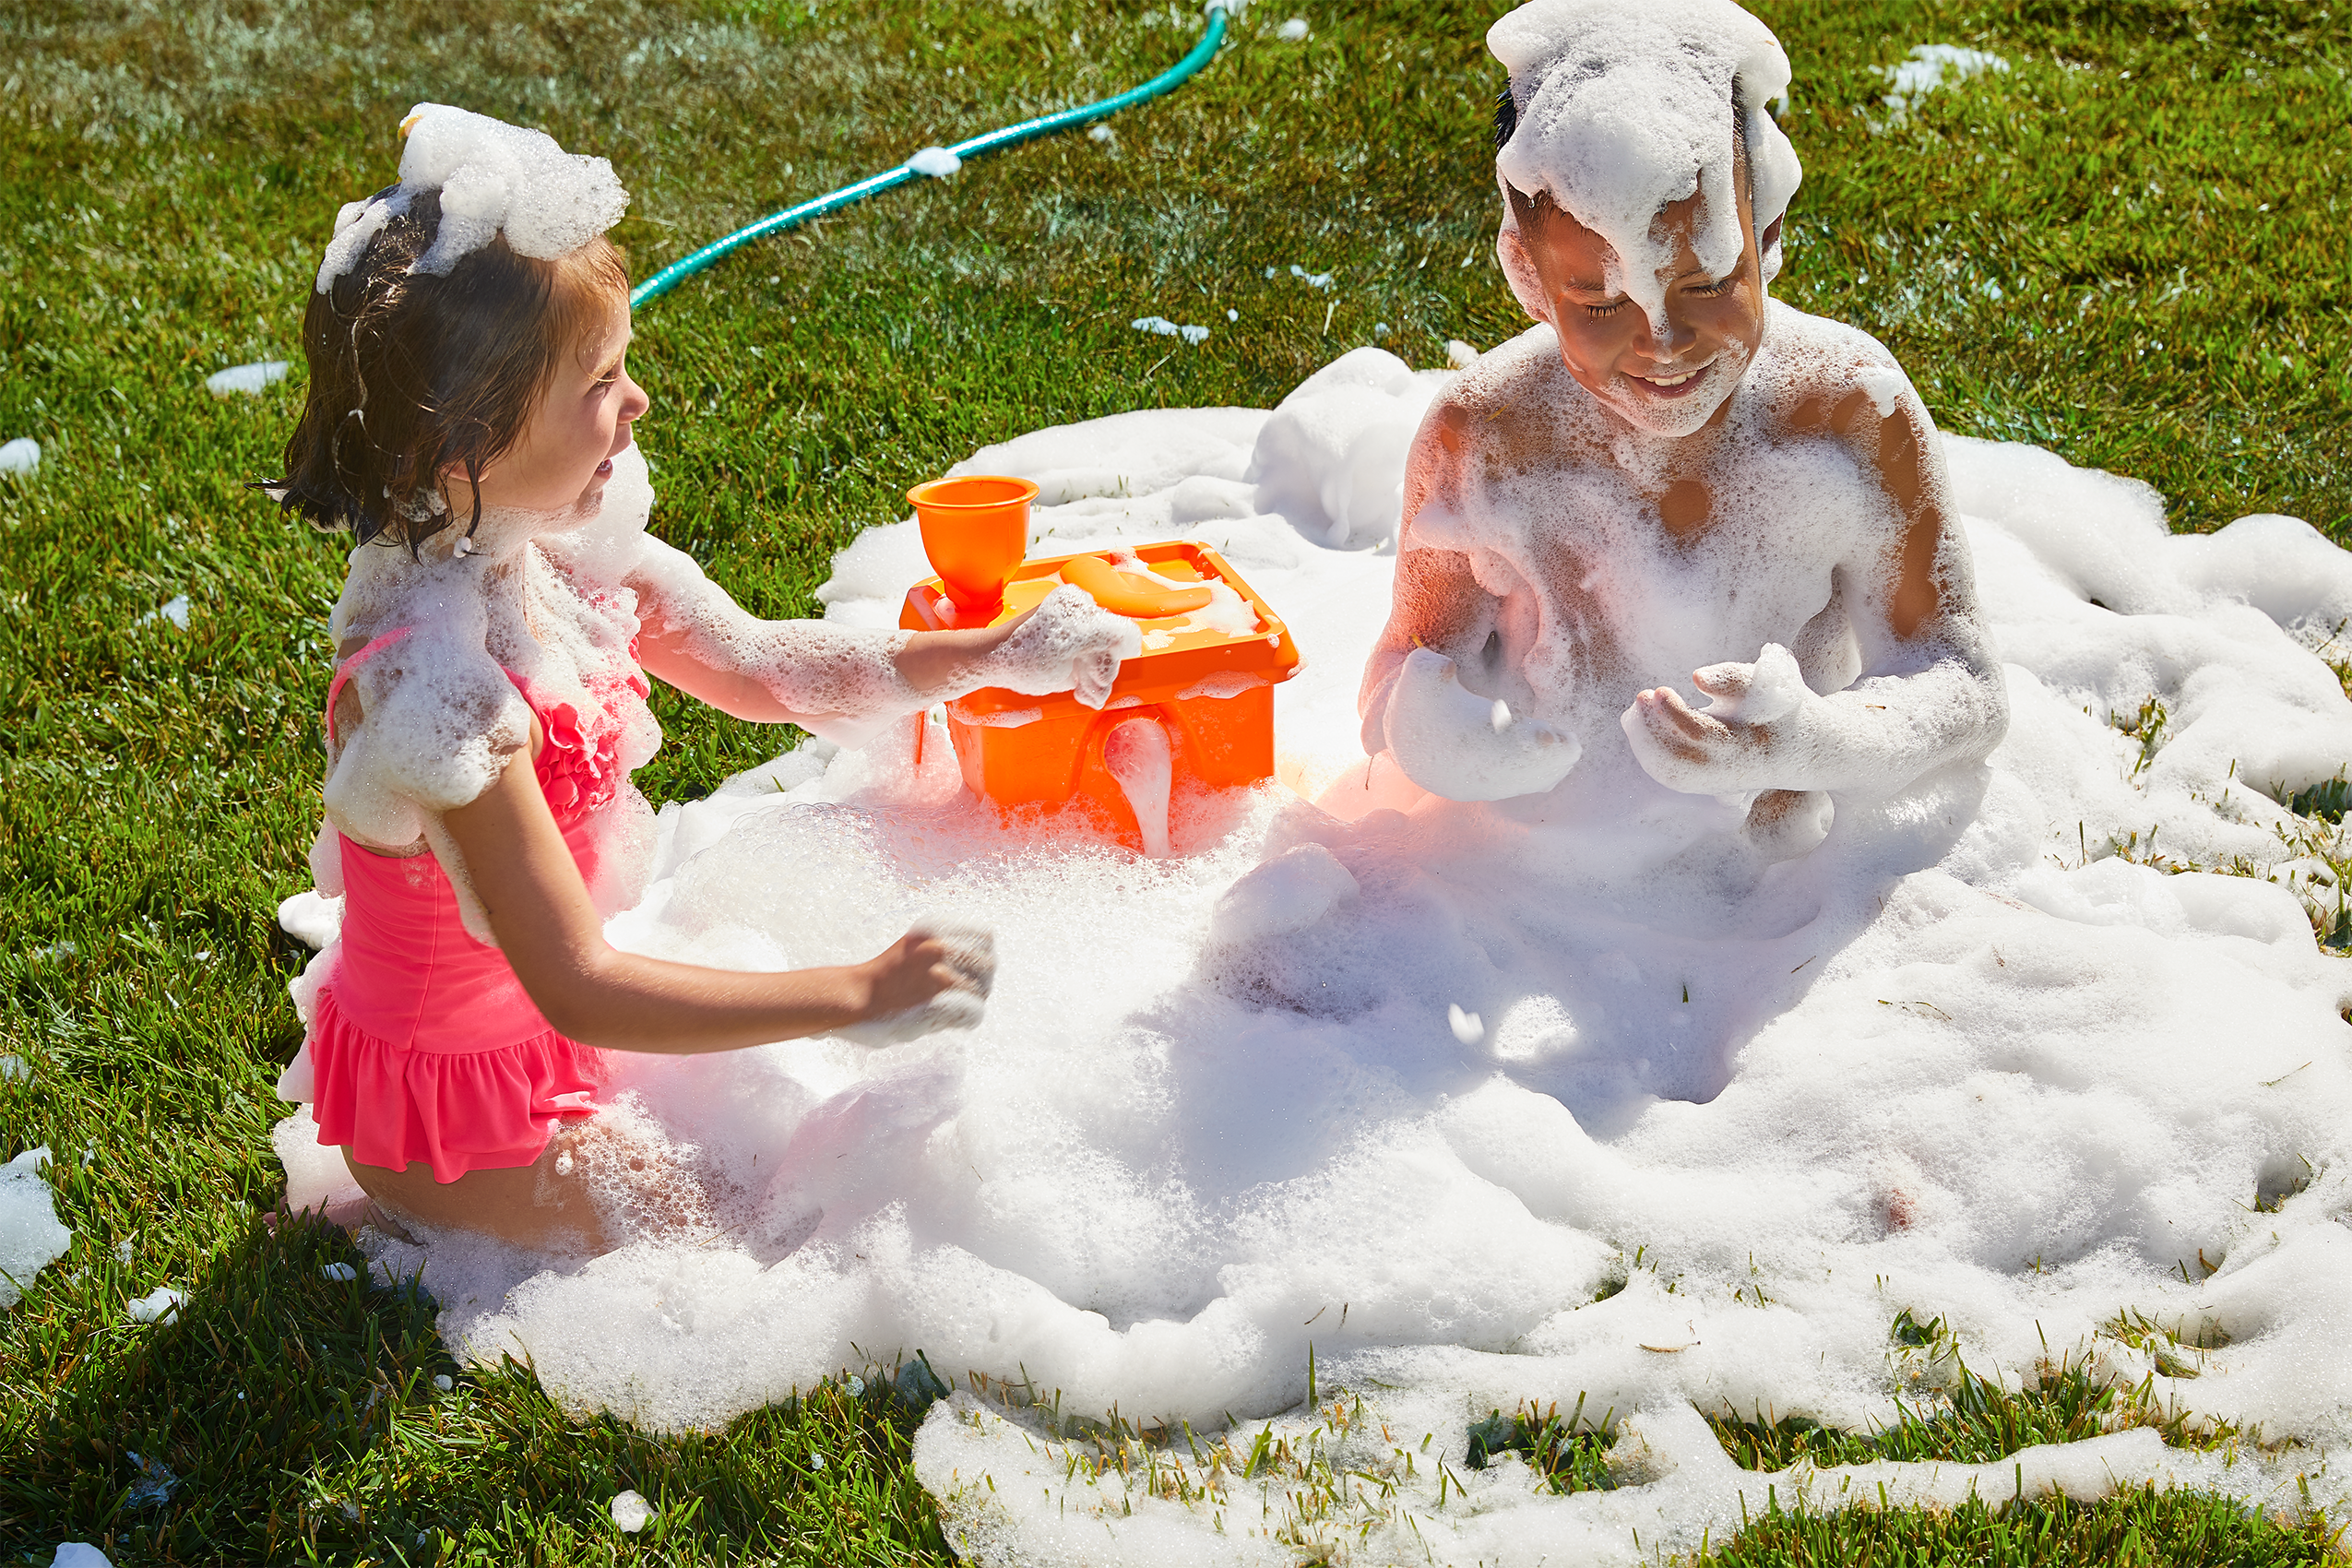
x=562 y=1202
x=544 y=1206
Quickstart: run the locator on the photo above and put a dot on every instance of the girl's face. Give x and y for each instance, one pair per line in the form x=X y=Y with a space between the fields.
x=565 y=454
x=1669 y=381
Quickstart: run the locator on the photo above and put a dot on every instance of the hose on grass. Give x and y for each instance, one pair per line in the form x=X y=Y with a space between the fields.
x=1174 y=76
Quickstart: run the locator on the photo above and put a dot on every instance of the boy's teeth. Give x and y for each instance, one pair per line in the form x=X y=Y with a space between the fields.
x=1669 y=380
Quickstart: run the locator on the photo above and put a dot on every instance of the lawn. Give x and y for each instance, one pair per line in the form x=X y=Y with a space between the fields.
x=2127 y=247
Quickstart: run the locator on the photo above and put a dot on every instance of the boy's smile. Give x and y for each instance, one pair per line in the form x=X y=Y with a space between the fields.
x=1669 y=377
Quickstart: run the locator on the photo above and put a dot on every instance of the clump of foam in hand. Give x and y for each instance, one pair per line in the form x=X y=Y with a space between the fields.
x=494 y=179
x=1070 y=644
x=31 y=1236
x=971 y=956
x=1623 y=110
x=1454 y=743
x=1753 y=693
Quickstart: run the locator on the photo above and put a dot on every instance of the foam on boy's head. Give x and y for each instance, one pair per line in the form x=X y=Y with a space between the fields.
x=494 y=179
x=1619 y=111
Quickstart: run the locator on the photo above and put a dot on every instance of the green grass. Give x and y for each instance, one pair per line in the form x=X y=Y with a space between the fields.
x=167 y=175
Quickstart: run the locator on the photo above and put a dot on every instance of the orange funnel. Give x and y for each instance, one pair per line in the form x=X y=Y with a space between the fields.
x=976 y=529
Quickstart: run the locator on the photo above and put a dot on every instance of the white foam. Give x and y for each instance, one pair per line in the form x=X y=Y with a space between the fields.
x=32 y=1238
x=494 y=179
x=245 y=378
x=159 y=1305
x=1928 y=67
x=935 y=161
x=22 y=456
x=1220 y=1110
x=1159 y=326
x=1623 y=110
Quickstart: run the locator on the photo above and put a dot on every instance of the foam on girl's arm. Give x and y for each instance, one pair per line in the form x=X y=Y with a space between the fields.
x=838 y=682
x=440 y=721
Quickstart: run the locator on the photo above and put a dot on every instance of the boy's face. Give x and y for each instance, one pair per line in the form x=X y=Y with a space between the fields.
x=1671 y=382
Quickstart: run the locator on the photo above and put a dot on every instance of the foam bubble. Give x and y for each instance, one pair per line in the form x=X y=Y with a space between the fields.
x=30 y=1235
x=245 y=378
x=1623 y=110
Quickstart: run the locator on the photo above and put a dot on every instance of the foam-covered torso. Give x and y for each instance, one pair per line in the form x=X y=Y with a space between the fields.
x=1602 y=560
x=540 y=606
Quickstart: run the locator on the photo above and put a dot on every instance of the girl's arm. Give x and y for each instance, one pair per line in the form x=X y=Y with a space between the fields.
x=514 y=859
x=842 y=681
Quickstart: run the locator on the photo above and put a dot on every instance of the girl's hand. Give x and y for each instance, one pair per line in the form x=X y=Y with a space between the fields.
x=921 y=964
x=1067 y=644
x=936 y=977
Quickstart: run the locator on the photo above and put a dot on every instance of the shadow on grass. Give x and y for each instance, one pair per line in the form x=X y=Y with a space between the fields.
x=300 y=1416
x=272 y=1368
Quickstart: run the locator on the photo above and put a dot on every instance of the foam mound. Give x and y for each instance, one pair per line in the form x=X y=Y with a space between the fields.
x=494 y=179
x=1369 y=1083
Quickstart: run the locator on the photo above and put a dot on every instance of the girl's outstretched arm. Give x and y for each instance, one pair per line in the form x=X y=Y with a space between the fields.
x=517 y=861
x=842 y=682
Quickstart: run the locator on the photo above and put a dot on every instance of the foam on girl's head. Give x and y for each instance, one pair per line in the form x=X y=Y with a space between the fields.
x=1622 y=109
x=494 y=179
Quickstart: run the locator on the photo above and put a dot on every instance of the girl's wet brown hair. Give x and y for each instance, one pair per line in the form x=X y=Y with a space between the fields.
x=413 y=375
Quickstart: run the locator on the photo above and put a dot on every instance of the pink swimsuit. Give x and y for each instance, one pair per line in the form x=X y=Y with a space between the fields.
x=425 y=1045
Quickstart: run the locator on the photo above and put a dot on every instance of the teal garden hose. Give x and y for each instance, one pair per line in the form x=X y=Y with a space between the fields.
x=1175 y=76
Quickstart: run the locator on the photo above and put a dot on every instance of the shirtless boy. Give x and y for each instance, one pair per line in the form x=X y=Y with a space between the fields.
x=1670 y=477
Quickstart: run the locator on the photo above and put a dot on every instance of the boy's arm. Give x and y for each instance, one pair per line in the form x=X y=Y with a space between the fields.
x=1930 y=691
x=1446 y=739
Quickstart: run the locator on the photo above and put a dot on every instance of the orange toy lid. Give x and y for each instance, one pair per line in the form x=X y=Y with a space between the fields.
x=1181 y=652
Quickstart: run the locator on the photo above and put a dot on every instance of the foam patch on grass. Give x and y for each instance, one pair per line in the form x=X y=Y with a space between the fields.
x=1984 y=1056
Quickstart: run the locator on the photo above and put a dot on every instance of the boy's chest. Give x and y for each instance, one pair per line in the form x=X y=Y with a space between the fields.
x=1745 y=545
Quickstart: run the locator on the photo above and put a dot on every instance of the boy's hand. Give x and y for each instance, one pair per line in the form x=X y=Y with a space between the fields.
x=1737 y=742
x=1454 y=743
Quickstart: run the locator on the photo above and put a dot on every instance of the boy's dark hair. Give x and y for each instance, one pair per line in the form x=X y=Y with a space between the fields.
x=413 y=375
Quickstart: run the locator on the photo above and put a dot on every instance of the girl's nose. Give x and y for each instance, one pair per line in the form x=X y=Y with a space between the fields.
x=635 y=403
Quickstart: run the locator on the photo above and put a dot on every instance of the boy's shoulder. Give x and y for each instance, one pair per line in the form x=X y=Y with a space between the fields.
x=1814 y=372
x=1514 y=374
x=1509 y=404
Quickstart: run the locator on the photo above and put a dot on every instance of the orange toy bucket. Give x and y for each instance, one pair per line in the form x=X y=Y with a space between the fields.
x=975 y=528
x=1210 y=690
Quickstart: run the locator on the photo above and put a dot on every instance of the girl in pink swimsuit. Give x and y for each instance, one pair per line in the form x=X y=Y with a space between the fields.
x=469 y=422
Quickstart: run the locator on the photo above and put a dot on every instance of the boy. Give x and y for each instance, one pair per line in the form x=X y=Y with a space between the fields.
x=1670 y=475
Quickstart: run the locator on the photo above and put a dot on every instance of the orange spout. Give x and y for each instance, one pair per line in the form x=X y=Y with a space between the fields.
x=976 y=530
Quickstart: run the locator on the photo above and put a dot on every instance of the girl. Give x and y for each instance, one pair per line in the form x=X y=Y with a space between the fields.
x=469 y=420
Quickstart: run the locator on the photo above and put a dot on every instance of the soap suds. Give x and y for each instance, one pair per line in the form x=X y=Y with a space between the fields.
x=1623 y=110
x=494 y=179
